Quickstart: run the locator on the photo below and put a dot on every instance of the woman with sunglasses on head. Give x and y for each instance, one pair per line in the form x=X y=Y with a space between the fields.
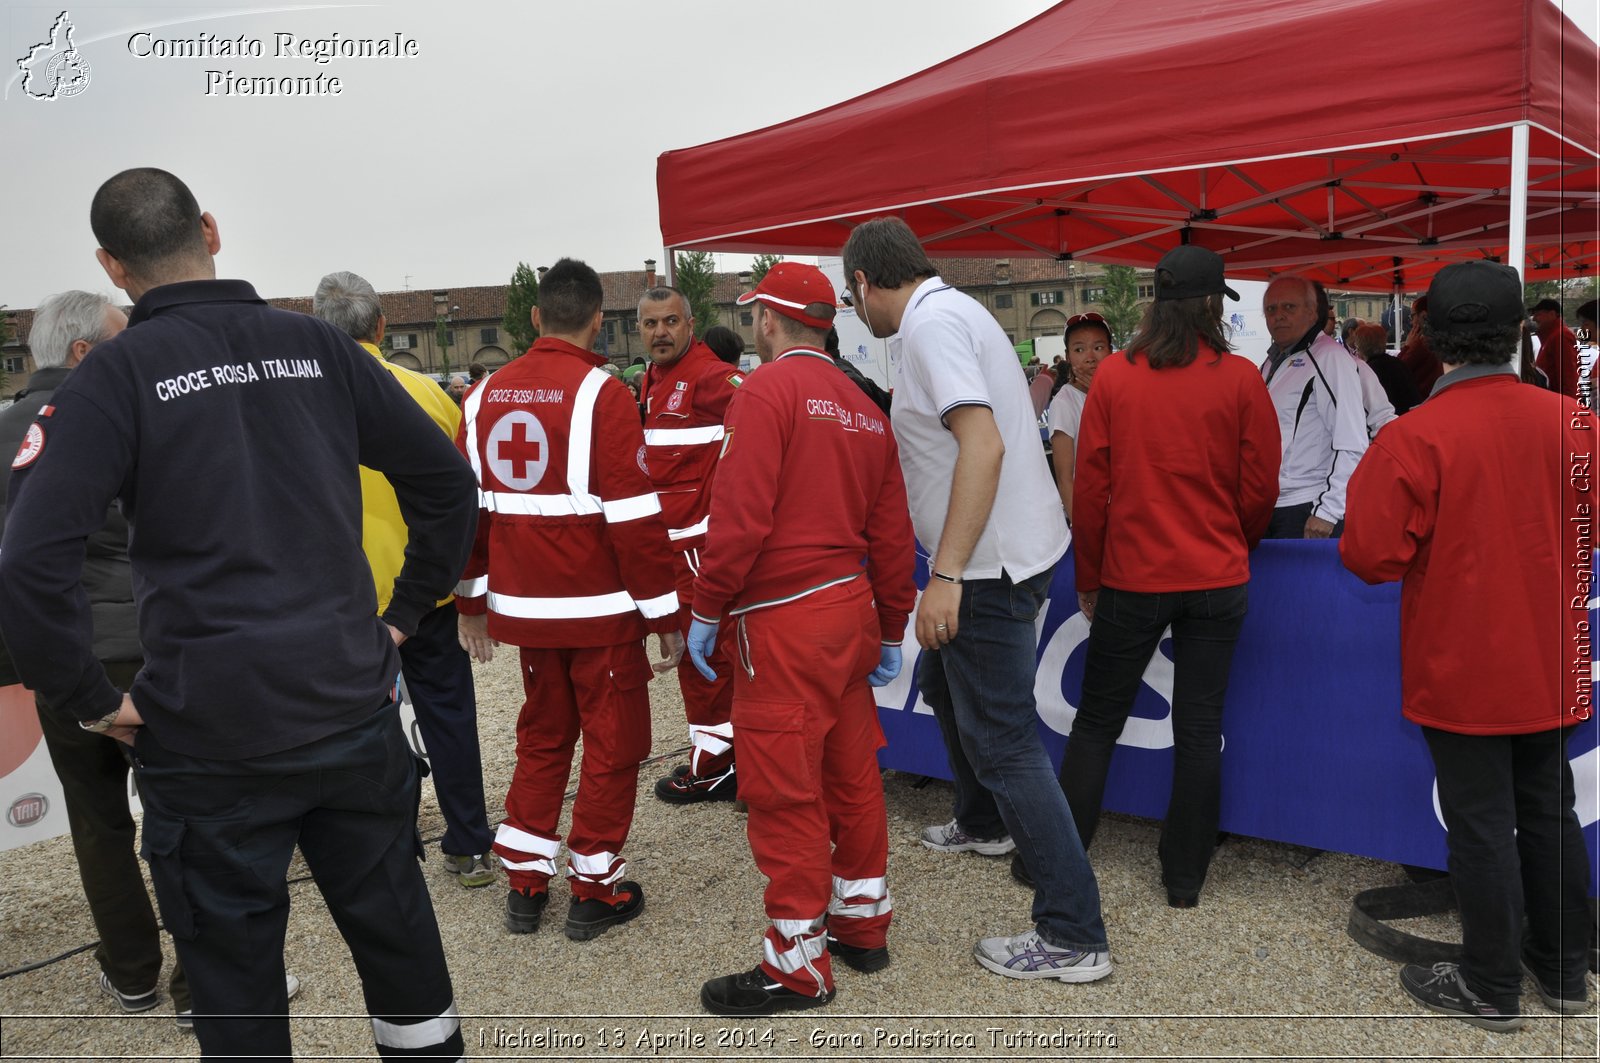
x=1088 y=341
x=1177 y=474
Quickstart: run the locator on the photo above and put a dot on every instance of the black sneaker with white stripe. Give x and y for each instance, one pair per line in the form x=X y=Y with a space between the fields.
x=753 y=993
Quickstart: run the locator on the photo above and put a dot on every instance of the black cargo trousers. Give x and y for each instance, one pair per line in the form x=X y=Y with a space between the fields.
x=219 y=834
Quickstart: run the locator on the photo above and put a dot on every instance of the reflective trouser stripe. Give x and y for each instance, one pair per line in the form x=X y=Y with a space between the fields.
x=809 y=946
x=542 y=851
x=604 y=868
x=473 y=588
x=711 y=740
x=425 y=1034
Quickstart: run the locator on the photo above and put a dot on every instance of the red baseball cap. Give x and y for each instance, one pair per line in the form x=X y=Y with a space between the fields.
x=790 y=289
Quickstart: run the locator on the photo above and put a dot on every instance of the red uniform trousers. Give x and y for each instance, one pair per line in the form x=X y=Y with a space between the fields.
x=808 y=768
x=707 y=704
x=604 y=693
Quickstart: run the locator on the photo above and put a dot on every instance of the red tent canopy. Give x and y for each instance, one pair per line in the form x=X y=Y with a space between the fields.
x=1365 y=142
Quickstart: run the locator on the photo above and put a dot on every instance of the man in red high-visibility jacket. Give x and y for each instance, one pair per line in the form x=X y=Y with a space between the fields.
x=810 y=486
x=685 y=394
x=571 y=563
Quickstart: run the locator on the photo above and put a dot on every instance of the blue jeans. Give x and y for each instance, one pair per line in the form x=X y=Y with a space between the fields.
x=1126 y=630
x=980 y=686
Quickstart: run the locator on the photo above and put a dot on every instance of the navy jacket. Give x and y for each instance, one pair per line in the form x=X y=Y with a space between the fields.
x=231 y=434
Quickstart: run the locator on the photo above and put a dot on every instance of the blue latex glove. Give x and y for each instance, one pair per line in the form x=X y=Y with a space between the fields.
x=702 y=643
x=888 y=667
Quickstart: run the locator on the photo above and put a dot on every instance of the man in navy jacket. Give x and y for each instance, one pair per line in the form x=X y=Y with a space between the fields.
x=230 y=434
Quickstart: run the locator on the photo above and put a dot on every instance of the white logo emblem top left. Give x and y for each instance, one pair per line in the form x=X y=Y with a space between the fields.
x=54 y=69
x=32 y=446
x=519 y=450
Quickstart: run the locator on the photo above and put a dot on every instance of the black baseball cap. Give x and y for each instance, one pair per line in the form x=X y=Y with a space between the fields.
x=1545 y=304
x=1190 y=272
x=1474 y=294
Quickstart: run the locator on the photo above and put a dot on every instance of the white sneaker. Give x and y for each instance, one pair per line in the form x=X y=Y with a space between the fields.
x=950 y=838
x=185 y=1018
x=1030 y=956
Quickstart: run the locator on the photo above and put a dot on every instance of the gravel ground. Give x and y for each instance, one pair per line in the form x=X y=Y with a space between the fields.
x=1262 y=969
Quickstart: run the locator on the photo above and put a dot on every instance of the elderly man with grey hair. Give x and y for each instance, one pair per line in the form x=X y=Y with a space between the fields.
x=1322 y=417
x=92 y=769
x=437 y=671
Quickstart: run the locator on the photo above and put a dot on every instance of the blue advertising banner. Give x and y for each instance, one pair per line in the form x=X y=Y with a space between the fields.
x=1315 y=751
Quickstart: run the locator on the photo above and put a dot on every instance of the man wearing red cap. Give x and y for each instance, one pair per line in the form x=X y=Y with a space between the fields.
x=810 y=485
x=685 y=394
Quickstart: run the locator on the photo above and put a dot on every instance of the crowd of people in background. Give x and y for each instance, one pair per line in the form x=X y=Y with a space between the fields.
x=762 y=525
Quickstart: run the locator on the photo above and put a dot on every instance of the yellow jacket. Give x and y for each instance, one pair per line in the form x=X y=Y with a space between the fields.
x=383 y=531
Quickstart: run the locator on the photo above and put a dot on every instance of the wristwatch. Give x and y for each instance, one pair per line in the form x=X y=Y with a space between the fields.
x=103 y=724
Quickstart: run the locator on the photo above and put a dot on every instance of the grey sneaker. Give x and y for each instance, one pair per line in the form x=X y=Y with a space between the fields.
x=131 y=1002
x=471 y=871
x=185 y=1018
x=1555 y=1001
x=950 y=838
x=1441 y=988
x=1030 y=956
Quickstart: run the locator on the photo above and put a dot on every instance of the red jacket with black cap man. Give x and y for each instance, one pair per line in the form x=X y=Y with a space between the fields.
x=1482 y=502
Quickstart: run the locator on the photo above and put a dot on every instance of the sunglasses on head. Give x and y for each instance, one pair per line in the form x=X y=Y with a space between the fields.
x=1078 y=319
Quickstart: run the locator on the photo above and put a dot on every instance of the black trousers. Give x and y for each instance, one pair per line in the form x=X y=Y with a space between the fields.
x=1126 y=631
x=93 y=770
x=218 y=835
x=1289 y=522
x=1515 y=849
x=439 y=679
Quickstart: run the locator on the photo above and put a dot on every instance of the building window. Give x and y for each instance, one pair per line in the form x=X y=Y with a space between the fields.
x=1147 y=291
x=1045 y=298
x=404 y=341
x=449 y=337
x=611 y=331
x=630 y=325
x=14 y=365
x=1002 y=301
x=746 y=318
x=1094 y=295
x=489 y=335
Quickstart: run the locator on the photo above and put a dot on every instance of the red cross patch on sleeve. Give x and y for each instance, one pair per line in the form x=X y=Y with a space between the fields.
x=32 y=446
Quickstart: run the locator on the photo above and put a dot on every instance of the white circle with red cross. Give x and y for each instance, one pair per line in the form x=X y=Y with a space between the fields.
x=519 y=450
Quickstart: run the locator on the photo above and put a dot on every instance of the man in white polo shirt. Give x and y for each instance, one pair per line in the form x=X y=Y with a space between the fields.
x=984 y=506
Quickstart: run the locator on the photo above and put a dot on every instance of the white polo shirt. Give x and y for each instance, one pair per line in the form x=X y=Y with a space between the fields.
x=951 y=352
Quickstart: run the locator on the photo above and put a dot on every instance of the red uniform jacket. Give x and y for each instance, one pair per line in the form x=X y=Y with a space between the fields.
x=571 y=549
x=1176 y=476
x=685 y=403
x=1482 y=501
x=1558 y=360
x=810 y=484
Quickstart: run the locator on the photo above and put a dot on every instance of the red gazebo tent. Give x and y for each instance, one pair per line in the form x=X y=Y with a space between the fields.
x=1364 y=142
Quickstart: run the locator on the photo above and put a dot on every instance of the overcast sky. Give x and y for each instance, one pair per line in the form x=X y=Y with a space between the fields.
x=519 y=131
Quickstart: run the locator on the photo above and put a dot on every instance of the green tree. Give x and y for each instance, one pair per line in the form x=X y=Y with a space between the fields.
x=759 y=267
x=696 y=276
x=522 y=297
x=1121 y=302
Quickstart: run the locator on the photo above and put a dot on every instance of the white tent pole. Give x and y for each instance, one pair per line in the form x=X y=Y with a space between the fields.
x=1398 y=340
x=1518 y=251
x=671 y=272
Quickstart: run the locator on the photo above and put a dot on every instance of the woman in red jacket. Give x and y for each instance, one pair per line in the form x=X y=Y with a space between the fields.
x=1187 y=435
